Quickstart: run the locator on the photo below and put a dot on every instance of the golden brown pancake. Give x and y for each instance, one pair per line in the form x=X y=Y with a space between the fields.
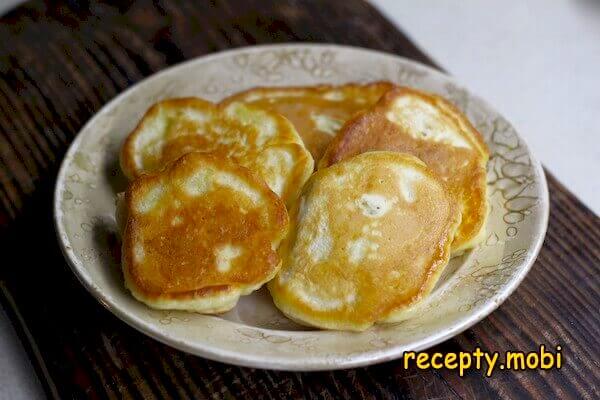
x=369 y=238
x=429 y=127
x=200 y=234
x=260 y=140
x=317 y=112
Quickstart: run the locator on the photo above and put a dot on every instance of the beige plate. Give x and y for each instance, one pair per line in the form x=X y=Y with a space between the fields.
x=255 y=333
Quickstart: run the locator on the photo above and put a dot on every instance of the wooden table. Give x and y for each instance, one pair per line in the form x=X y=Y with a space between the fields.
x=60 y=63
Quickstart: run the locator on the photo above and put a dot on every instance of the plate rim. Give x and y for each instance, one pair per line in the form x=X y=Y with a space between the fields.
x=364 y=358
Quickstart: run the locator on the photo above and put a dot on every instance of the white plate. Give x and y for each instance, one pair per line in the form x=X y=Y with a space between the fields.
x=255 y=333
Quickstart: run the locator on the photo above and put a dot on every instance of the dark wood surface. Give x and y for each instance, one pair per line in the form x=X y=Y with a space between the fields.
x=61 y=61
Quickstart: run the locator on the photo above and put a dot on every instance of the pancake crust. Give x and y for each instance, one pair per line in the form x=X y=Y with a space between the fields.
x=260 y=140
x=317 y=112
x=429 y=127
x=200 y=234
x=369 y=238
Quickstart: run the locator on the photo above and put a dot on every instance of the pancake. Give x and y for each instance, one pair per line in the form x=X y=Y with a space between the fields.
x=260 y=140
x=317 y=112
x=429 y=127
x=369 y=238
x=200 y=234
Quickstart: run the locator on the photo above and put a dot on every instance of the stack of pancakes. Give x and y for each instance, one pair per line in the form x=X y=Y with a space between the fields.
x=224 y=198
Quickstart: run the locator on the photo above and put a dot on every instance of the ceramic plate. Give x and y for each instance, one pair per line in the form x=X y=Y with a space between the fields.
x=254 y=333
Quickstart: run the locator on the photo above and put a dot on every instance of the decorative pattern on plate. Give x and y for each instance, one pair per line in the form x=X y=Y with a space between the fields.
x=472 y=286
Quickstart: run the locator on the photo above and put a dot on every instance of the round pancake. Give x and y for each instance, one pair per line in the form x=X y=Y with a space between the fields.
x=200 y=234
x=369 y=238
x=260 y=140
x=317 y=112
x=429 y=127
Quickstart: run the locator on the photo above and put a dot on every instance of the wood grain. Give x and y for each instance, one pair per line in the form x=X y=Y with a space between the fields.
x=61 y=61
